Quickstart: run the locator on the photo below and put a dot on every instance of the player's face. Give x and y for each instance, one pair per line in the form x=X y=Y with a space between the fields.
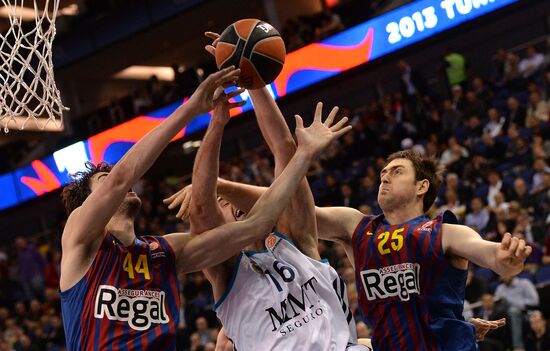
x=230 y=213
x=131 y=203
x=397 y=184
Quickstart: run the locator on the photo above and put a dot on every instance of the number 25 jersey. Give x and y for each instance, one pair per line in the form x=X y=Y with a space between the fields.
x=408 y=293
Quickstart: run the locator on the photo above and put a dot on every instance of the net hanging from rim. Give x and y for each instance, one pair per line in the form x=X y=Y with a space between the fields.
x=28 y=93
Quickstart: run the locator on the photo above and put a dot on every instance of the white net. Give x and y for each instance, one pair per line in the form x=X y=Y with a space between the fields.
x=28 y=93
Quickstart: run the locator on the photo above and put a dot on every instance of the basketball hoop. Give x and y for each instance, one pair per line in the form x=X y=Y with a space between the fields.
x=28 y=93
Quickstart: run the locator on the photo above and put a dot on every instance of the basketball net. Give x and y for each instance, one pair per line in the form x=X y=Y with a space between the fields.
x=29 y=97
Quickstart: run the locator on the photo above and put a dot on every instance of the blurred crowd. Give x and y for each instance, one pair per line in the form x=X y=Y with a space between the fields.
x=492 y=133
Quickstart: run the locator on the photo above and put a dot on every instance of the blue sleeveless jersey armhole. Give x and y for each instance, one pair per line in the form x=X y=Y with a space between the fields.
x=72 y=305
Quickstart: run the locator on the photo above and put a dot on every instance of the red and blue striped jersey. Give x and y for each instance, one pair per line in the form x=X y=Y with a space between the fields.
x=128 y=299
x=408 y=293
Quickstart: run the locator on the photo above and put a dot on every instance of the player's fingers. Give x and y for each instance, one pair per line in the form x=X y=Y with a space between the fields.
x=217 y=76
x=211 y=50
x=235 y=93
x=339 y=124
x=506 y=240
x=318 y=112
x=513 y=245
x=299 y=122
x=211 y=35
x=237 y=104
x=229 y=79
x=170 y=198
x=181 y=211
x=331 y=116
x=175 y=202
x=521 y=248
x=342 y=131
x=526 y=252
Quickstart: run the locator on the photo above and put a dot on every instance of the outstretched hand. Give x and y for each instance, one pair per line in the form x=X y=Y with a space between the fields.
x=483 y=326
x=319 y=134
x=182 y=199
x=511 y=254
x=203 y=98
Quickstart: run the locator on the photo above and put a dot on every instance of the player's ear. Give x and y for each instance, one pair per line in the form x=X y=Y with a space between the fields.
x=422 y=186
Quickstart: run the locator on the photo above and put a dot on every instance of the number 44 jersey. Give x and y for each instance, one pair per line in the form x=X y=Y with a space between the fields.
x=281 y=299
x=128 y=299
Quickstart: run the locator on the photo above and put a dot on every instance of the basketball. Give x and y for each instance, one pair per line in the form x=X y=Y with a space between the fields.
x=256 y=48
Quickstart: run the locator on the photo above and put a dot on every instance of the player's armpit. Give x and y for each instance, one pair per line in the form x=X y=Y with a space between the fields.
x=337 y=223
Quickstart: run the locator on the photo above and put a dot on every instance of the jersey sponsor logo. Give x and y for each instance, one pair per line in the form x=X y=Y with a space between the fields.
x=399 y=280
x=296 y=311
x=140 y=308
x=158 y=254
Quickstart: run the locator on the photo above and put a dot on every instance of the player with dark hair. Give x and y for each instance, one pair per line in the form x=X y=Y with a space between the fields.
x=410 y=269
x=120 y=291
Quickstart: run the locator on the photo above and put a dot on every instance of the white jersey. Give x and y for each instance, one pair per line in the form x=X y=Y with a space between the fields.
x=281 y=299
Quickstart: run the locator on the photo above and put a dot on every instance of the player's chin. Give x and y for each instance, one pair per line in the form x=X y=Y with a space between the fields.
x=132 y=205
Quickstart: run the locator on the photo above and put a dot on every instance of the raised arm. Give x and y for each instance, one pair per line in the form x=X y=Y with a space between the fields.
x=298 y=219
x=505 y=258
x=205 y=210
x=85 y=228
x=218 y=244
x=87 y=223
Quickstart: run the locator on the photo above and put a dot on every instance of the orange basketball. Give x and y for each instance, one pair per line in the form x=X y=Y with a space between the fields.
x=256 y=48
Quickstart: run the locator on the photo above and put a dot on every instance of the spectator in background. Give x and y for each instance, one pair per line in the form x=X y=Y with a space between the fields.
x=202 y=330
x=478 y=219
x=522 y=196
x=349 y=199
x=453 y=204
x=454 y=153
x=499 y=339
x=537 y=108
x=455 y=68
x=498 y=64
x=30 y=266
x=450 y=118
x=458 y=99
x=540 y=167
x=482 y=93
x=495 y=186
x=512 y=75
x=473 y=106
x=520 y=294
x=53 y=270
x=516 y=114
x=413 y=88
x=495 y=124
x=531 y=64
x=538 y=336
